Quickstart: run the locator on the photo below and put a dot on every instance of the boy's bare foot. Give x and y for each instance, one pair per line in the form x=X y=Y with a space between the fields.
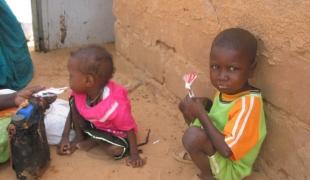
x=114 y=150
x=184 y=157
x=87 y=144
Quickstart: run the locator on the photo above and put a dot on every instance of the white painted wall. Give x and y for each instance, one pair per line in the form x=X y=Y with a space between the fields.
x=69 y=23
x=21 y=9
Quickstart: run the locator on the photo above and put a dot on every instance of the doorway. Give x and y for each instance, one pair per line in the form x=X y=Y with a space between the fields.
x=22 y=11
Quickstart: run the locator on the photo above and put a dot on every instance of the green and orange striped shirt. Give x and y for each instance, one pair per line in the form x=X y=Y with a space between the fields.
x=241 y=119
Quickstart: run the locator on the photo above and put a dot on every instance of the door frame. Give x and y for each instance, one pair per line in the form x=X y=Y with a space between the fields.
x=37 y=25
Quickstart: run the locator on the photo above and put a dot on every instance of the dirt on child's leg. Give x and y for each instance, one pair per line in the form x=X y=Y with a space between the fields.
x=198 y=145
x=113 y=150
x=87 y=144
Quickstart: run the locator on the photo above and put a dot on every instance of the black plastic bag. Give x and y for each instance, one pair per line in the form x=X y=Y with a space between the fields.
x=30 y=153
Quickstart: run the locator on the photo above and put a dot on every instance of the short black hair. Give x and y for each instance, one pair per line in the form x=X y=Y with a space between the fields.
x=95 y=60
x=237 y=39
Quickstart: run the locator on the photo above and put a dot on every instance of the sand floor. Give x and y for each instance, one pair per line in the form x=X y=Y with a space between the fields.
x=153 y=108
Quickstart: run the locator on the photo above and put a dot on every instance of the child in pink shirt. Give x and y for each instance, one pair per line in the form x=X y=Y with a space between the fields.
x=100 y=110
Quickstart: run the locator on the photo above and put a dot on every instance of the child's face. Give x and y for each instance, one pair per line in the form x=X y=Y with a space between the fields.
x=77 y=79
x=230 y=70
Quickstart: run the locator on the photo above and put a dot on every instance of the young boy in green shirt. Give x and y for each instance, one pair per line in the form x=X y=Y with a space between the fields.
x=225 y=141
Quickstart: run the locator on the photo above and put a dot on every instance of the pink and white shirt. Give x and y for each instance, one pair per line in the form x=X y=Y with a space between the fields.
x=112 y=114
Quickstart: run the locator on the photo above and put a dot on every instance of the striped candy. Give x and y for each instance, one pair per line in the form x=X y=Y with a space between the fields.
x=189 y=78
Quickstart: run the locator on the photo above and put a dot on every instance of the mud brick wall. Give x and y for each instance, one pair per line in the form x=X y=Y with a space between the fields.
x=167 y=38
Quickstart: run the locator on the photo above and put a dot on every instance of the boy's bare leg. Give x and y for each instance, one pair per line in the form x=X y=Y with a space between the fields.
x=198 y=145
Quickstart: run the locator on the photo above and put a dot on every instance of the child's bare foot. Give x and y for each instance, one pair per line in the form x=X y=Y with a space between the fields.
x=183 y=156
x=87 y=144
x=114 y=150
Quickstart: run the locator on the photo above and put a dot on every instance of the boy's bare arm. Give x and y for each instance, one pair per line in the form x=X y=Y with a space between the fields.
x=134 y=158
x=216 y=137
x=197 y=109
x=207 y=103
x=65 y=133
x=64 y=145
x=7 y=101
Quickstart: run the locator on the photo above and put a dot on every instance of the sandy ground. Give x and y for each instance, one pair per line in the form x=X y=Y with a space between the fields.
x=153 y=108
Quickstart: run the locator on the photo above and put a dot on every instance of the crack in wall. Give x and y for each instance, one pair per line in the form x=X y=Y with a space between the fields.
x=215 y=12
x=165 y=46
x=168 y=50
x=63 y=27
x=288 y=114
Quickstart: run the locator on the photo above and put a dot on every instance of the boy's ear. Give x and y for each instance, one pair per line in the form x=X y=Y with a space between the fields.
x=252 y=69
x=90 y=80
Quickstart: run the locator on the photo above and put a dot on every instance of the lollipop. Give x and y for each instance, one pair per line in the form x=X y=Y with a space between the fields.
x=189 y=78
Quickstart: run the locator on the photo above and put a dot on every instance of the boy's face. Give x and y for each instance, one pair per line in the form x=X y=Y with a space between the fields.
x=230 y=70
x=77 y=79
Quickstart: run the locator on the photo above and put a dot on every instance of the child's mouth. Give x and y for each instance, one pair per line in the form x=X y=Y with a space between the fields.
x=222 y=87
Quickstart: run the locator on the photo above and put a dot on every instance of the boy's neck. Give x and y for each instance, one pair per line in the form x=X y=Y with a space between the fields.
x=245 y=88
x=94 y=93
x=94 y=97
x=243 y=91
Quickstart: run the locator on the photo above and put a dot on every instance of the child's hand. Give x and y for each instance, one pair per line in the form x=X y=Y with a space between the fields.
x=135 y=161
x=64 y=147
x=26 y=93
x=191 y=107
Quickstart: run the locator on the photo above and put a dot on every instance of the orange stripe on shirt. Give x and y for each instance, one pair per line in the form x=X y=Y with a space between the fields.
x=8 y=112
x=242 y=129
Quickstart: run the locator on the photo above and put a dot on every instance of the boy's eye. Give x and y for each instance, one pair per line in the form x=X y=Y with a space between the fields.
x=214 y=66
x=232 y=68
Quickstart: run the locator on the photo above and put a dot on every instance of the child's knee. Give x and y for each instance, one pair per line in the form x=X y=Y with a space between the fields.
x=193 y=138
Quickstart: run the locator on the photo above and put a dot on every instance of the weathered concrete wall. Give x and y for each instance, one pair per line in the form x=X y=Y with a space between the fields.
x=70 y=23
x=169 y=38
